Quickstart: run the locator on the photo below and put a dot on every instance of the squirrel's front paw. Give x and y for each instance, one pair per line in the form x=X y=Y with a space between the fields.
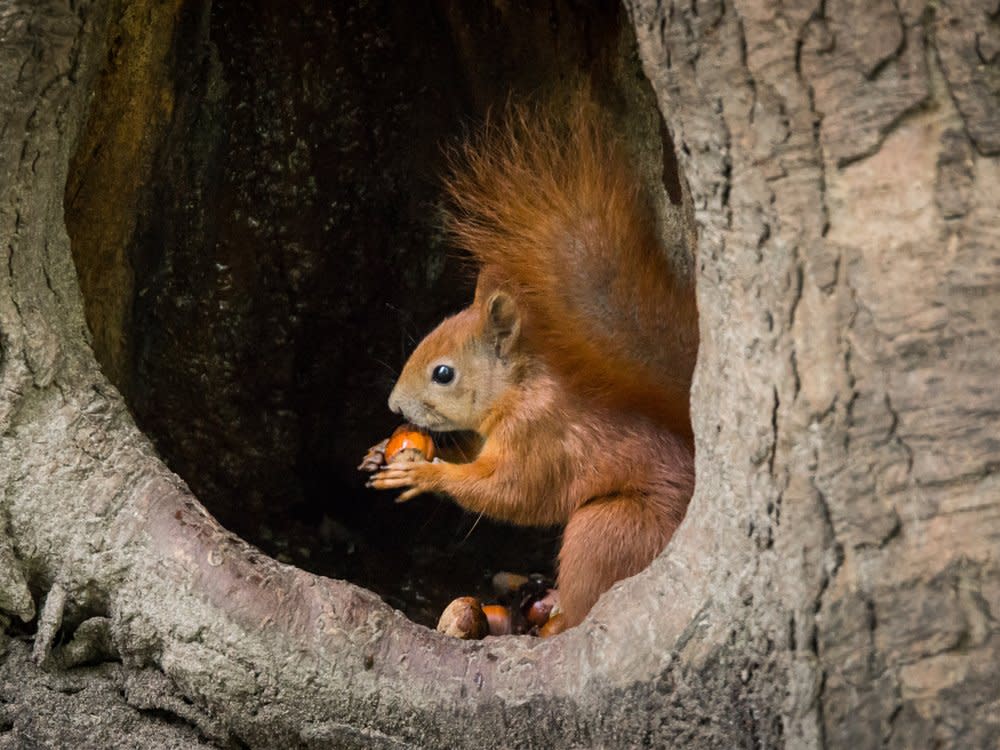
x=375 y=457
x=418 y=476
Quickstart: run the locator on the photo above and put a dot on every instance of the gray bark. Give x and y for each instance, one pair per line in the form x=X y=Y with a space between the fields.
x=836 y=582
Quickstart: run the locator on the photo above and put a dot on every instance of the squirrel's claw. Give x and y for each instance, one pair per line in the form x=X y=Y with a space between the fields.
x=410 y=476
x=409 y=495
x=391 y=478
x=375 y=457
x=395 y=476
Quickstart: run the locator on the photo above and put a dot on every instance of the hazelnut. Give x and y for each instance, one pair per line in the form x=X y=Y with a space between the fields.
x=508 y=584
x=464 y=618
x=555 y=625
x=538 y=611
x=409 y=443
x=499 y=619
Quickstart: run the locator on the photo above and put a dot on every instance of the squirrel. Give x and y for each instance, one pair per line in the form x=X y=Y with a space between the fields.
x=573 y=363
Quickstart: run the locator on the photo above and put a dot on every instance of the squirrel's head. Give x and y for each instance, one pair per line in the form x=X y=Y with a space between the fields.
x=459 y=371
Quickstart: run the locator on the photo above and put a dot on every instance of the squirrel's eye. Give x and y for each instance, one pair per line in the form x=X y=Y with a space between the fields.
x=443 y=374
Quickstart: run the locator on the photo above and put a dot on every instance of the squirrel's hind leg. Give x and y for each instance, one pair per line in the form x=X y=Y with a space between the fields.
x=606 y=540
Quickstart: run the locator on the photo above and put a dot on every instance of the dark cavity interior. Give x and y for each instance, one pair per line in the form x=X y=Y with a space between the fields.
x=254 y=211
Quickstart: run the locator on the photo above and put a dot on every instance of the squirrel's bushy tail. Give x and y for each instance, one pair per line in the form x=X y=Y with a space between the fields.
x=545 y=200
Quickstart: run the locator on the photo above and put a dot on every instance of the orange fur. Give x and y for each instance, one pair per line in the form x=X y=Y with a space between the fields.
x=549 y=204
x=574 y=361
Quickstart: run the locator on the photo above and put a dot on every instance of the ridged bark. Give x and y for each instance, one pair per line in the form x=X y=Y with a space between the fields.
x=837 y=580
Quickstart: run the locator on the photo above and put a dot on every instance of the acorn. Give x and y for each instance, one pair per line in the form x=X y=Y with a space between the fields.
x=409 y=443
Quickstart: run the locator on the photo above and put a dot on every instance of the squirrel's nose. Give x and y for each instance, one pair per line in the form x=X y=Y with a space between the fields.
x=394 y=406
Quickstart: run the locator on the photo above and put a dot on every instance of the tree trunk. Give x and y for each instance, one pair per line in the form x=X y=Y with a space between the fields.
x=836 y=581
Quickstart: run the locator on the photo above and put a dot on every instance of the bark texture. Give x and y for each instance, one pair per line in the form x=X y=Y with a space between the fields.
x=837 y=580
x=848 y=279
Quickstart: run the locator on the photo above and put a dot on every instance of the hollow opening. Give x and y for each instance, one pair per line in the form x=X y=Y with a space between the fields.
x=254 y=210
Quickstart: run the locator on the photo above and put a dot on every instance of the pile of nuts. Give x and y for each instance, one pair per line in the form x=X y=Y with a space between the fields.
x=532 y=608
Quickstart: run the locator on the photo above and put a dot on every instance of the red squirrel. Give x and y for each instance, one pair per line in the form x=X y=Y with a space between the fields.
x=572 y=364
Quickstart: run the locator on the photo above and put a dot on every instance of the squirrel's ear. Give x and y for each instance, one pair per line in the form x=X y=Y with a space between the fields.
x=503 y=322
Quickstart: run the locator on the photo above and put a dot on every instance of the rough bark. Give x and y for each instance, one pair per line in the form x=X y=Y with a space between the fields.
x=847 y=288
x=836 y=582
